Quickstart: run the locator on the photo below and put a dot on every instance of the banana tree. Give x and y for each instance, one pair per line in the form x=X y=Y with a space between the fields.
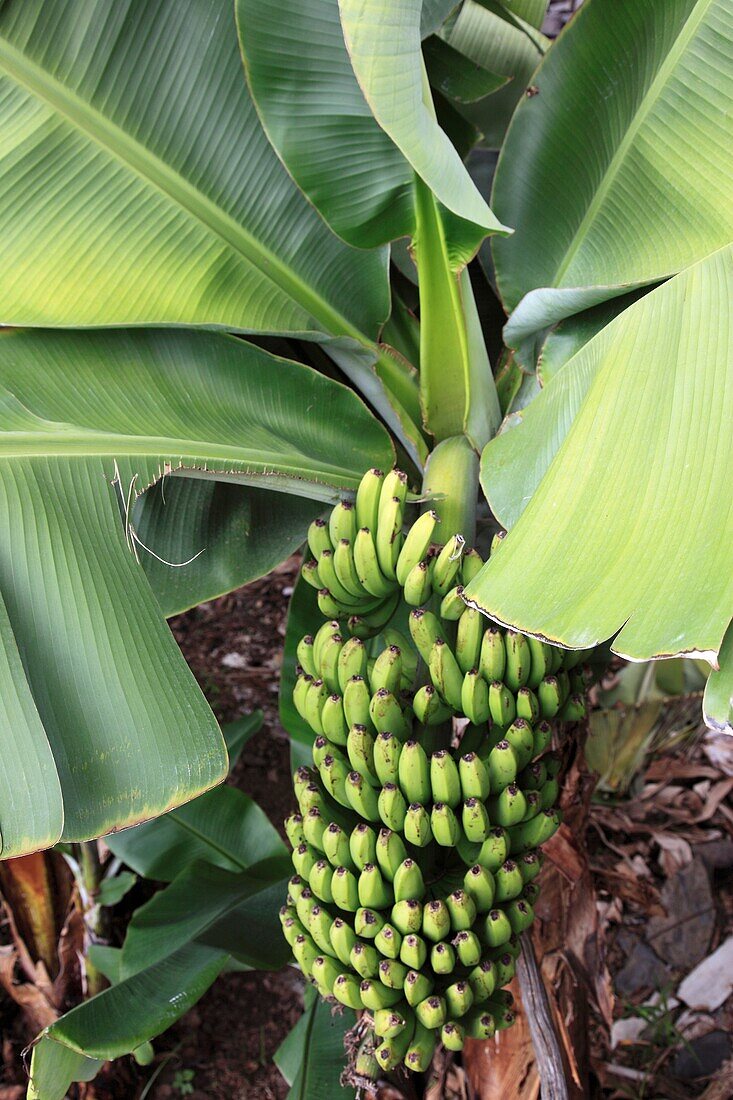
x=207 y=344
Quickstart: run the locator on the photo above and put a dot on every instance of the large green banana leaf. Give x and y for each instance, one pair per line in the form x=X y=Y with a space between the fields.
x=311 y=1057
x=102 y=722
x=616 y=174
x=616 y=483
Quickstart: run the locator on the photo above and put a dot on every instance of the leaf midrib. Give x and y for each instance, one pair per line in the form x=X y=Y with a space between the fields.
x=648 y=102
x=138 y=158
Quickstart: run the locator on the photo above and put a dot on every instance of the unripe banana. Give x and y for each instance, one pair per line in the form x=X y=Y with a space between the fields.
x=452 y=605
x=530 y=865
x=363 y=845
x=367 y=498
x=342 y=522
x=520 y=914
x=391 y=852
x=458 y=998
x=321 y=637
x=387 y=749
x=366 y=562
x=334 y=774
x=319 y=926
x=408 y=881
x=492 y=658
x=518 y=659
x=361 y=796
x=482 y=980
x=509 y=882
x=429 y=708
x=475 y=697
x=528 y=705
x=468 y=948
x=352 y=661
x=360 y=747
x=416 y=544
x=315 y=698
x=365 y=959
x=447 y=564
x=336 y=847
x=444 y=778
x=388 y=942
x=304 y=859
x=387 y=714
x=296 y=886
x=319 y=538
x=376 y=994
x=505 y=968
x=446 y=674
x=468 y=642
x=494 y=850
x=549 y=794
x=333 y=720
x=480 y=1025
x=475 y=820
x=474 y=776
x=327 y=573
x=573 y=709
x=392 y=807
x=345 y=891
x=541 y=661
x=425 y=630
x=292 y=928
x=550 y=696
x=319 y=880
x=305 y=953
x=304 y=654
x=418 y=584
x=406 y=916
x=392 y=973
x=329 y=606
x=502 y=766
x=387 y=671
x=533 y=777
x=356 y=701
x=471 y=565
x=388 y=536
x=462 y=909
x=314 y=826
x=534 y=804
x=533 y=833
x=325 y=972
x=501 y=704
x=413 y=952
x=421 y=1049
x=435 y=920
x=414 y=773
x=343 y=939
x=409 y=656
x=444 y=825
x=309 y=573
x=520 y=737
x=542 y=738
x=394 y=485
x=346 y=991
x=417 y=987
x=389 y=1022
x=391 y=1052
x=452 y=1036
x=367 y=923
x=416 y=826
x=300 y=691
x=374 y=892
x=509 y=807
x=497 y=929
x=294 y=829
x=345 y=566
x=431 y=1012
x=479 y=885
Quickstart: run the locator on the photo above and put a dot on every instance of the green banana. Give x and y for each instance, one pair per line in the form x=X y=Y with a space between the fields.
x=416 y=826
x=309 y=573
x=549 y=694
x=468 y=948
x=319 y=880
x=475 y=820
x=421 y=1049
x=447 y=564
x=530 y=865
x=388 y=942
x=389 y=1022
x=360 y=748
x=482 y=980
x=387 y=670
x=375 y=994
x=300 y=691
x=387 y=714
x=367 y=498
x=304 y=858
x=474 y=776
x=534 y=804
x=368 y=922
x=409 y=656
x=446 y=674
x=361 y=796
x=314 y=700
x=501 y=704
x=528 y=705
x=374 y=892
x=391 y=1052
x=367 y=565
x=479 y=885
x=314 y=826
x=319 y=926
x=413 y=952
x=444 y=825
x=352 y=662
x=468 y=641
x=533 y=777
x=305 y=953
x=414 y=772
x=549 y=794
x=520 y=737
x=416 y=545
x=541 y=661
x=425 y=630
x=342 y=522
x=445 y=779
x=494 y=849
x=343 y=939
x=435 y=920
x=480 y=1025
x=391 y=852
x=336 y=847
x=509 y=807
x=462 y=909
x=520 y=914
x=492 y=657
x=294 y=829
x=429 y=708
x=471 y=565
x=392 y=973
x=296 y=886
x=431 y=1012
x=417 y=987
x=291 y=929
x=356 y=702
x=502 y=766
x=453 y=1036
x=329 y=577
x=505 y=968
x=573 y=709
x=363 y=845
x=387 y=749
x=333 y=720
x=497 y=541
x=418 y=584
x=406 y=916
x=533 y=833
x=325 y=972
x=334 y=776
x=458 y=998
x=408 y=881
x=344 y=889
x=452 y=605
x=345 y=566
x=392 y=807
x=509 y=881
x=518 y=659
x=365 y=959
x=497 y=929
x=304 y=654
x=388 y=536
x=346 y=991
x=321 y=636
x=319 y=538
x=542 y=738
x=475 y=697
x=394 y=485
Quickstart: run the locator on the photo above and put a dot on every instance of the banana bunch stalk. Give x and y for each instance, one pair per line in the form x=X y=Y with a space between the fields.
x=415 y=861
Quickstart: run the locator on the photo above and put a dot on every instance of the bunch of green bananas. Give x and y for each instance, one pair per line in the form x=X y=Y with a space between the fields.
x=415 y=846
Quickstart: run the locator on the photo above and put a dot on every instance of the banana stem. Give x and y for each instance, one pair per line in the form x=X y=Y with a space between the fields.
x=87 y=853
x=451 y=479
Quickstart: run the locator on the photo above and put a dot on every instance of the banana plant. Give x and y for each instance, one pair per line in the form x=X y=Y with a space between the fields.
x=206 y=343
